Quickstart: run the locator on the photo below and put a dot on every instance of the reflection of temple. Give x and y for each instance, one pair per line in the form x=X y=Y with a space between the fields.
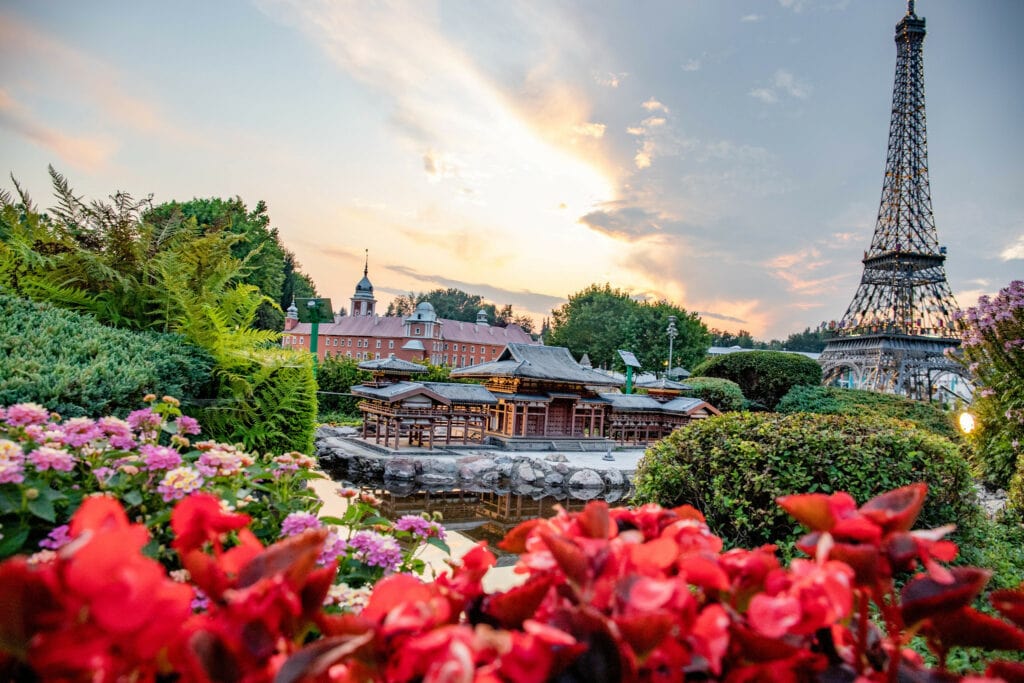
x=533 y=397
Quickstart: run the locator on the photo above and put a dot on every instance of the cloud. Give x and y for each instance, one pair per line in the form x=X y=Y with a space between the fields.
x=623 y=223
x=523 y=298
x=78 y=76
x=642 y=159
x=783 y=82
x=636 y=130
x=721 y=316
x=1014 y=252
x=590 y=130
x=654 y=105
x=654 y=121
x=750 y=18
x=89 y=153
x=690 y=65
x=610 y=80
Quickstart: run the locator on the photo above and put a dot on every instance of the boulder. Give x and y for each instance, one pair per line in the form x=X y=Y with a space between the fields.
x=586 y=479
x=400 y=468
x=556 y=457
x=614 y=479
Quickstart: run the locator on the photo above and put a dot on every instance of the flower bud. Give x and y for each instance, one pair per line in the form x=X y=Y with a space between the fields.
x=31 y=494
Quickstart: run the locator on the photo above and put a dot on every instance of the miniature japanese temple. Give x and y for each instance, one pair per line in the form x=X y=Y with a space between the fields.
x=532 y=398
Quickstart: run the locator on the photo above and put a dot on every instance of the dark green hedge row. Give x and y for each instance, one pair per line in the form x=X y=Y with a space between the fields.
x=837 y=401
x=734 y=466
x=764 y=377
x=75 y=366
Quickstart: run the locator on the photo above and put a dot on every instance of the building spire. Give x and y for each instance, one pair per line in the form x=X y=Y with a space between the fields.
x=366 y=266
x=910 y=8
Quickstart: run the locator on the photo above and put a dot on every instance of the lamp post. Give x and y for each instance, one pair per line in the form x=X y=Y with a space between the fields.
x=672 y=334
x=314 y=332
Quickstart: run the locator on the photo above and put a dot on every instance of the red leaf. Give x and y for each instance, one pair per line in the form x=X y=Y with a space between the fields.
x=924 y=597
x=568 y=555
x=1011 y=672
x=200 y=518
x=295 y=557
x=392 y=591
x=655 y=556
x=810 y=509
x=515 y=540
x=316 y=658
x=689 y=512
x=705 y=572
x=99 y=513
x=646 y=631
x=897 y=510
x=594 y=520
x=970 y=628
x=28 y=601
x=518 y=604
x=1010 y=604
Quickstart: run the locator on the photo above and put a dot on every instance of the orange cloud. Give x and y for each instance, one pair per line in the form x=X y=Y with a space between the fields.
x=88 y=153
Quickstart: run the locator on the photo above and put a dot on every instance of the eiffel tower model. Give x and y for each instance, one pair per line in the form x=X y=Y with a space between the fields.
x=893 y=336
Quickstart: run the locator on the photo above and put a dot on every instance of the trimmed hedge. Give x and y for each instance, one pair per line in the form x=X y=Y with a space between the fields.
x=763 y=376
x=837 y=401
x=71 y=364
x=732 y=468
x=723 y=394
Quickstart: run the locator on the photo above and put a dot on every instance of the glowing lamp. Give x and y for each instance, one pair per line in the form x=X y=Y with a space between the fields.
x=966 y=422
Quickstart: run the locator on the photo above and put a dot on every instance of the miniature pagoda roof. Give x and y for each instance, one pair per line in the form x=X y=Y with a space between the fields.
x=687 y=405
x=392 y=365
x=677 y=373
x=551 y=363
x=462 y=393
x=629 y=402
x=397 y=392
x=664 y=384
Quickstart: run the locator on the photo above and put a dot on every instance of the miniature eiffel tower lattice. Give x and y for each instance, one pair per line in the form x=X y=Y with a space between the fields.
x=901 y=320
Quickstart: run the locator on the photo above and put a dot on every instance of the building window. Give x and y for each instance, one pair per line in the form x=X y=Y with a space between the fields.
x=446 y=348
x=472 y=360
x=302 y=340
x=463 y=347
x=349 y=341
x=463 y=360
x=472 y=349
x=391 y=343
x=446 y=359
x=378 y=346
x=417 y=331
x=376 y=356
x=348 y=353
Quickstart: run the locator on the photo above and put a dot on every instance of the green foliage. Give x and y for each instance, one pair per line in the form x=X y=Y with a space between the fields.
x=335 y=377
x=195 y=269
x=763 y=376
x=267 y=403
x=70 y=364
x=723 y=394
x=600 y=320
x=992 y=340
x=1015 y=495
x=838 y=401
x=734 y=466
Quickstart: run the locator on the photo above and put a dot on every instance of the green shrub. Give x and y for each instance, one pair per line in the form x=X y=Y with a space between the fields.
x=268 y=404
x=72 y=365
x=734 y=466
x=334 y=378
x=763 y=376
x=837 y=401
x=1015 y=496
x=723 y=394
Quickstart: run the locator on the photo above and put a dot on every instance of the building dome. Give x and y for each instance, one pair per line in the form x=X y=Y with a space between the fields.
x=364 y=288
x=424 y=311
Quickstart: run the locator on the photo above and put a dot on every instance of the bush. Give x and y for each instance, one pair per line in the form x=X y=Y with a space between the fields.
x=334 y=378
x=763 y=376
x=733 y=467
x=723 y=394
x=837 y=401
x=269 y=403
x=69 y=363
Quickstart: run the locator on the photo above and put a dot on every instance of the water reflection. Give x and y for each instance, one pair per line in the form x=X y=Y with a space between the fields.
x=479 y=515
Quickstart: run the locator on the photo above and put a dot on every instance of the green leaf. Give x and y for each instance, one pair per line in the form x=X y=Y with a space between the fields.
x=10 y=500
x=42 y=507
x=438 y=543
x=133 y=497
x=336 y=521
x=13 y=540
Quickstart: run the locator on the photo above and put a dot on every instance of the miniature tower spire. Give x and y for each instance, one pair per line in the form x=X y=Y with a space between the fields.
x=900 y=321
x=363 y=301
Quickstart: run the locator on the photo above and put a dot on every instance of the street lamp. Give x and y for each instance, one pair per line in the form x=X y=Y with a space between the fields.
x=672 y=334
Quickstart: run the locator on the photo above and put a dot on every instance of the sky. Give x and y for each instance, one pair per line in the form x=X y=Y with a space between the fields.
x=726 y=155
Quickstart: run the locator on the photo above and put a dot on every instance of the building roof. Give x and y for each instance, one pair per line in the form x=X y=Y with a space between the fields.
x=397 y=392
x=664 y=384
x=687 y=405
x=462 y=393
x=552 y=363
x=631 y=402
x=394 y=326
x=392 y=364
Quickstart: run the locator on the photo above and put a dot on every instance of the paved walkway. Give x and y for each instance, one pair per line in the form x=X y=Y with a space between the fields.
x=498 y=578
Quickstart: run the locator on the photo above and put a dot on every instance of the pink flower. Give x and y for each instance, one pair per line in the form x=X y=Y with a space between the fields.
x=79 y=431
x=179 y=482
x=26 y=414
x=57 y=538
x=297 y=522
x=144 y=419
x=159 y=457
x=45 y=458
x=118 y=432
x=188 y=425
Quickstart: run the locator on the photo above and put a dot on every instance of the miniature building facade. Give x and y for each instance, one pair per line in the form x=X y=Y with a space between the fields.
x=422 y=336
x=533 y=397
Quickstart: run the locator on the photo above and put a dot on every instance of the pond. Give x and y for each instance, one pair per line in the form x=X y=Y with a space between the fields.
x=478 y=515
